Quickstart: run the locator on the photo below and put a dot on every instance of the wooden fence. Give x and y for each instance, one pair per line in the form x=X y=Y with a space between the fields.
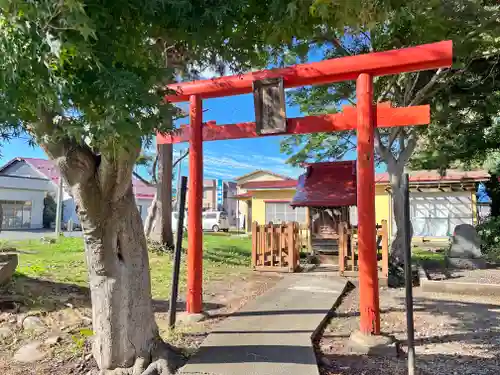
x=276 y=247
x=348 y=250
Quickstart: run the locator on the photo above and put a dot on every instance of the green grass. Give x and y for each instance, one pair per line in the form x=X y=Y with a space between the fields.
x=421 y=254
x=428 y=258
x=64 y=261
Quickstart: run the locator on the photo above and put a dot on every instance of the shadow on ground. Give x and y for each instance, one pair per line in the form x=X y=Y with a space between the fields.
x=254 y=354
x=271 y=312
x=469 y=316
x=426 y=364
x=44 y=295
x=466 y=343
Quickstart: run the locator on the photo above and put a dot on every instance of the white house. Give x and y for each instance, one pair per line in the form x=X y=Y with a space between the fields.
x=24 y=183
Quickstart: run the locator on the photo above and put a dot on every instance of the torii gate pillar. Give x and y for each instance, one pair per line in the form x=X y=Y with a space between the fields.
x=367 y=247
x=194 y=302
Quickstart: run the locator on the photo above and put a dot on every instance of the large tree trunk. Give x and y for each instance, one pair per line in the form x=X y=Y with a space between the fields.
x=397 y=245
x=126 y=339
x=158 y=225
x=122 y=311
x=150 y=219
x=395 y=168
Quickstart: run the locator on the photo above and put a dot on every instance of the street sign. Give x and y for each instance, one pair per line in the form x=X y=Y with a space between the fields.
x=220 y=194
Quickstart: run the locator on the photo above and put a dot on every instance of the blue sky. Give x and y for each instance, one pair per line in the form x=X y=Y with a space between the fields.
x=222 y=159
x=233 y=158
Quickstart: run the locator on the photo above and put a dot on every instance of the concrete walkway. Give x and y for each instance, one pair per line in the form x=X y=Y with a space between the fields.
x=272 y=334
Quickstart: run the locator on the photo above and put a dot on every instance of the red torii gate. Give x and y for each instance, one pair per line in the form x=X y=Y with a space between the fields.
x=363 y=118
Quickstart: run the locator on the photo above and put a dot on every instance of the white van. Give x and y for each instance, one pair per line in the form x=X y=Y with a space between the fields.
x=175 y=219
x=211 y=220
x=215 y=221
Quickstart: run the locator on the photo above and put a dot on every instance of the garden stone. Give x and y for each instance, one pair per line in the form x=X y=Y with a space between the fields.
x=5 y=332
x=20 y=319
x=52 y=340
x=188 y=318
x=29 y=353
x=375 y=345
x=8 y=264
x=465 y=250
x=466 y=243
x=68 y=318
x=34 y=323
x=48 y=240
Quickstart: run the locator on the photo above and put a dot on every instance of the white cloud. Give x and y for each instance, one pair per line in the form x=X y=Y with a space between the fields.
x=238 y=164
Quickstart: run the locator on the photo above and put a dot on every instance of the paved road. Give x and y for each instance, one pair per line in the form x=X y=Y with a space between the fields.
x=272 y=334
x=33 y=234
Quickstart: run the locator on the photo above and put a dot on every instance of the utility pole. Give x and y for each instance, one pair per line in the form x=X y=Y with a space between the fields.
x=59 y=207
x=410 y=328
x=181 y=198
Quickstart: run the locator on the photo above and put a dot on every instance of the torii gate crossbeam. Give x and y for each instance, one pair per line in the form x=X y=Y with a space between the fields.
x=364 y=119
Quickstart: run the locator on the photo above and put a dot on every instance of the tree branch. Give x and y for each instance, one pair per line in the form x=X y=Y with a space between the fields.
x=409 y=89
x=388 y=88
x=75 y=161
x=384 y=153
x=368 y=39
x=116 y=168
x=401 y=140
x=422 y=93
x=392 y=136
x=153 y=169
x=352 y=102
x=180 y=159
x=335 y=41
x=142 y=179
x=340 y=46
x=404 y=156
x=398 y=94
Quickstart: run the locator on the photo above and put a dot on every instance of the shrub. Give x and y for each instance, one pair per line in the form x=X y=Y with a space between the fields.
x=49 y=210
x=489 y=231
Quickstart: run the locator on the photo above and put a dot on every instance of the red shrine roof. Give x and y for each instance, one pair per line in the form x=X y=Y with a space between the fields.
x=331 y=184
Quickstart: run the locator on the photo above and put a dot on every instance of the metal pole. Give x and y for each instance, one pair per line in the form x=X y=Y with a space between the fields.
x=179 y=169
x=59 y=207
x=408 y=275
x=178 y=248
x=367 y=246
x=195 y=200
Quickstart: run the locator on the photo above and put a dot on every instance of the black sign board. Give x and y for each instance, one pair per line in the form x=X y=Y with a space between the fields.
x=269 y=102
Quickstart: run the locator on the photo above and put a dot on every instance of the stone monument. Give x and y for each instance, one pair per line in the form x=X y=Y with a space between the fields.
x=8 y=264
x=465 y=249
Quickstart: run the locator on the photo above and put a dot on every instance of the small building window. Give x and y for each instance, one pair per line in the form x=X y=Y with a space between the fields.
x=282 y=212
x=16 y=214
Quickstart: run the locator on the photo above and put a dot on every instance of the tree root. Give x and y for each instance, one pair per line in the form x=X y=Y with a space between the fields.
x=165 y=360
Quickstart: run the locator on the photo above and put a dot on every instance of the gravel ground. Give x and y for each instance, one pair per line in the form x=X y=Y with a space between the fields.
x=454 y=335
x=488 y=276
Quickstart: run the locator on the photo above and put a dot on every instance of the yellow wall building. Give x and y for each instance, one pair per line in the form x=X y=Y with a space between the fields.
x=437 y=203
